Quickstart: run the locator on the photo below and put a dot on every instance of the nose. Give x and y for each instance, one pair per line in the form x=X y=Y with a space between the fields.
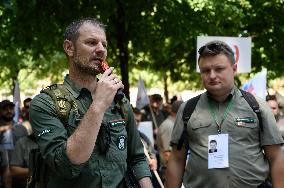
x=100 y=49
x=212 y=74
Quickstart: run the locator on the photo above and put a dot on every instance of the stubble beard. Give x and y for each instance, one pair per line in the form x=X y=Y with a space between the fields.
x=85 y=68
x=8 y=117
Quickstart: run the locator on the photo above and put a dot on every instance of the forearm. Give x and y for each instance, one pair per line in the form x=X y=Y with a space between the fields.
x=174 y=174
x=7 y=180
x=81 y=143
x=175 y=168
x=145 y=182
x=4 y=128
x=19 y=172
x=277 y=172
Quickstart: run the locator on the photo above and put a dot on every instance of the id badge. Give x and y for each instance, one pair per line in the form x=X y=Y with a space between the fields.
x=218 y=156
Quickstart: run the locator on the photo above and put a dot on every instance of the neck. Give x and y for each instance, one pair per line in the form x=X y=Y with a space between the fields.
x=173 y=115
x=82 y=79
x=220 y=97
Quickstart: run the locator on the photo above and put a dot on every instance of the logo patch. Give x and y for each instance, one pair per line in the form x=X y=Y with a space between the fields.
x=121 y=142
x=44 y=132
x=117 y=123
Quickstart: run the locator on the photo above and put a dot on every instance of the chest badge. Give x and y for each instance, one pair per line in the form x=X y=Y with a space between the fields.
x=121 y=142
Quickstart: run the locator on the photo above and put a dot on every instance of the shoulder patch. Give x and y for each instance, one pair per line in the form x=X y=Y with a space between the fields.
x=121 y=141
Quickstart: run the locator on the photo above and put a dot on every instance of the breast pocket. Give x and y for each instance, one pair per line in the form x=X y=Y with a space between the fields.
x=199 y=129
x=247 y=127
x=118 y=136
x=199 y=124
x=196 y=126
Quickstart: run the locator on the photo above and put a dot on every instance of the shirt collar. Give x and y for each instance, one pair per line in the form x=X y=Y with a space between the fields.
x=72 y=87
x=230 y=96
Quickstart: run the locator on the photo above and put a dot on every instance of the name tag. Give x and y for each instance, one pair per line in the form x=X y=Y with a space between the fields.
x=117 y=123
x=244 y=121
x=218 y=156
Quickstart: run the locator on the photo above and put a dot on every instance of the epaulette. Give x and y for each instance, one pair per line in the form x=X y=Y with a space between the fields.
x=63 y=101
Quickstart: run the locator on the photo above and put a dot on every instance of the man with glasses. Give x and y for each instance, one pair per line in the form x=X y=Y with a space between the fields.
x=245 y=152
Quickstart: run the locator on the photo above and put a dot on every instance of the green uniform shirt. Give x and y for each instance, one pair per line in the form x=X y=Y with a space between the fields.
x=101 y=170
x=247 y=165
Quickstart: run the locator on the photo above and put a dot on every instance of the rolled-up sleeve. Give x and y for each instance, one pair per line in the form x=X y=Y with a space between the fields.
x=136 y=155
x=178 y=126
x=51 y=136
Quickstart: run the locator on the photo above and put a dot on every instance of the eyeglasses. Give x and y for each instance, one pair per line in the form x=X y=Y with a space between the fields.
x=215 y=47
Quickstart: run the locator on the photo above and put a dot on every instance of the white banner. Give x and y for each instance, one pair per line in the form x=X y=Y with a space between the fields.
x=146 y=127
x=142 y=97
x=240 y=45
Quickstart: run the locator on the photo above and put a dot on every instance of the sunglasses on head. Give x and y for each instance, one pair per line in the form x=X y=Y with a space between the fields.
x=215 y=47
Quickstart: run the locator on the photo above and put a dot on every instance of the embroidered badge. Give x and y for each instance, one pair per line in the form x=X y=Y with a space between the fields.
x=244 y=121
x=62 y=105
x=117 y=123
x=44 y=132
x=121 y=142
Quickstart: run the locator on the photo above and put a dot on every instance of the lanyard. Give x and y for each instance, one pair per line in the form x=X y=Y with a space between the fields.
x=214 y=115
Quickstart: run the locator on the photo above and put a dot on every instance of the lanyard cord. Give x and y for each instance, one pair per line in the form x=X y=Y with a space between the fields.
x=214 y=115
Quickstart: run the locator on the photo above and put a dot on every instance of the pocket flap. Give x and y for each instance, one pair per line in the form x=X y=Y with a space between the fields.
x=198 y=125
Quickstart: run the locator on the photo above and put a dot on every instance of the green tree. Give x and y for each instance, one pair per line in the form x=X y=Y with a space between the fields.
x=156 y=36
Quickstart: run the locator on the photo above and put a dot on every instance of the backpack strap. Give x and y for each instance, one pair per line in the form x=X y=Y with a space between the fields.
x=63 y=101
x=123 y=109
x=254 y=105
x=191 y=104
x=187 y=112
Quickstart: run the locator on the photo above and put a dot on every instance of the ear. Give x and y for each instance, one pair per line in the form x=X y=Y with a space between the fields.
x=68 y=47
x=235 y=67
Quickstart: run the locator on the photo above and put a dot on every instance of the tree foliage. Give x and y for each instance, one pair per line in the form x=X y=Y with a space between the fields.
x=158 y=36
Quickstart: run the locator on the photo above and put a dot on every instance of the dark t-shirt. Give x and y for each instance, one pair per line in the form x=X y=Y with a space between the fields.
x=160 y=116
x=20 y=157
x=3 y=158
x=19 y=131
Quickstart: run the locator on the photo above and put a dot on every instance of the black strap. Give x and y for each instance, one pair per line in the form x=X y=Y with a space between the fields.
x=191 y=104
x=254 y=105
x=187 y=111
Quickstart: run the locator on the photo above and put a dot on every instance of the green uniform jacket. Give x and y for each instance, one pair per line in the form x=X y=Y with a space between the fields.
x=248 y=166
x=101 y=170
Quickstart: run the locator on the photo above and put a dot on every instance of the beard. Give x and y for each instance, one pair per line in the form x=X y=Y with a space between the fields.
x=85 y=69
x=8 y=117
x=84 y=66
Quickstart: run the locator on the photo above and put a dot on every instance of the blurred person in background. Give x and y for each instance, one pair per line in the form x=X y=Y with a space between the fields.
x=153 y=163
x=25 y=109
x=164 y=137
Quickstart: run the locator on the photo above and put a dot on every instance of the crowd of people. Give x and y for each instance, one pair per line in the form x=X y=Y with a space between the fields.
x=16 y=143
x=88 y=136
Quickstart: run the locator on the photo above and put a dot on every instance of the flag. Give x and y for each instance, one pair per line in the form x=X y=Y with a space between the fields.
x=257 y=84
x=17 y=101
x=142 y=97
